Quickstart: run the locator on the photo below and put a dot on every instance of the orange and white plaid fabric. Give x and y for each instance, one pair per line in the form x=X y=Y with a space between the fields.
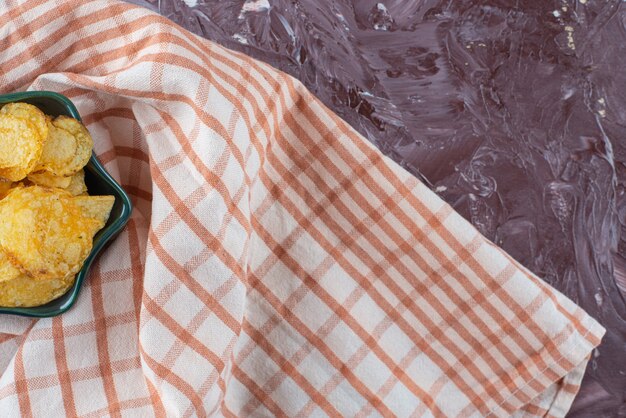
x=276 y=263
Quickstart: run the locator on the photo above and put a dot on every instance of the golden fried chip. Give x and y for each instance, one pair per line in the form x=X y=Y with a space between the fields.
x=29 y=113
x=84 y=143
x=77 y=184
x=47 y=229
x=5 y=186
x=58 y=152
x=44 y=232
x=20 y=147
x=26 y=292
x=7 y=270
x=44 y=178
x=96 y=207
x=14 y=173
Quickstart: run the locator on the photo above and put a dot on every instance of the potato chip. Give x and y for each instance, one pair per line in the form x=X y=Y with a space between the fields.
x=96 y=207
x=25 y=291
x=84 y=143
x=77 y=184
x=7 y=270
x=44 y=232
x=46 y=229
x=20 y=147
x=29 y=113
x=5 y=186
x=14 y=173
x=58 y=152
x=44 y=178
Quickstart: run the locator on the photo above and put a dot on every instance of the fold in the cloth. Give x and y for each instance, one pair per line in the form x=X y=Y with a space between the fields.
x=276 y=263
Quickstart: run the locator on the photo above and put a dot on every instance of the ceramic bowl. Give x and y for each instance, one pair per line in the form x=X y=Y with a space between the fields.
x=98 y=182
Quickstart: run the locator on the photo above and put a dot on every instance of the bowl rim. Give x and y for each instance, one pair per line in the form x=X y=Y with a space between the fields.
x=104 y=236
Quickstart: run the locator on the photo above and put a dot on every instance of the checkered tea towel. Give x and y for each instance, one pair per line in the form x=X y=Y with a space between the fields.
x=276 y=263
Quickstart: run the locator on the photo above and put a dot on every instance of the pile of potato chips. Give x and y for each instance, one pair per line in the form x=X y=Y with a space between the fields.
x=47 y=219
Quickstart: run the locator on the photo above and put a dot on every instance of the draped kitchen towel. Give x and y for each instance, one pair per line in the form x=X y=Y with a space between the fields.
x=276 y=263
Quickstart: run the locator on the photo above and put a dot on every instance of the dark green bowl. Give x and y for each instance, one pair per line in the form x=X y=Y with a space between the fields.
x=98 y=181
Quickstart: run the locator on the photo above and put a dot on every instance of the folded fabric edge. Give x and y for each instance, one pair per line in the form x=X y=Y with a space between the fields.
x=567 y=390
x=564 y=376
x=569 y=356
